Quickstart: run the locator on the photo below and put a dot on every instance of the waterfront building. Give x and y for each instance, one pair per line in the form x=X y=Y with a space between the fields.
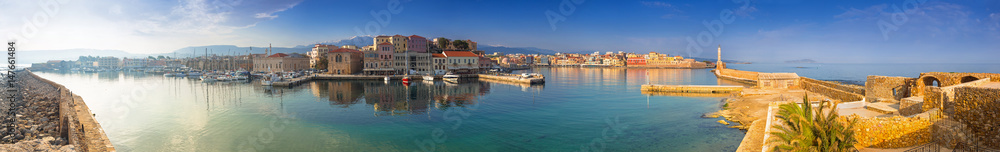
x=417 y=44
x=485 y=63
x=318 y=52
x=440 y=64
x=108 y=62
x=412 y=61
x=636 y=61
x=134 y=63
x=222 y=63
x=280 y=62
x=344 y=61
x=462 y=62
x=379 y=61
x=543 y=61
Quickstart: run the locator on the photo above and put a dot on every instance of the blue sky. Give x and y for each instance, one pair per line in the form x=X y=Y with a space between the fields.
x=760 y=31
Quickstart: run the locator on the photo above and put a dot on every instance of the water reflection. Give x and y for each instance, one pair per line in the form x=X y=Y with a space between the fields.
x=396 y=98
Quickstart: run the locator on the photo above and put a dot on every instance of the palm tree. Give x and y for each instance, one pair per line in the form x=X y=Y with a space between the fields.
x=808 y=129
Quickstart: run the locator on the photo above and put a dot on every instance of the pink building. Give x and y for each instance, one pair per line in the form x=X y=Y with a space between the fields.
x=417 y=43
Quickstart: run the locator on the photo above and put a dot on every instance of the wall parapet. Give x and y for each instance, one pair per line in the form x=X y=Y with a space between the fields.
x=855 y=89
x=833 y=93
x=891 y=132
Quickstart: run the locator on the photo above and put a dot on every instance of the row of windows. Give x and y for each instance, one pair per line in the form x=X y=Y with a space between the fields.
x=461 y=60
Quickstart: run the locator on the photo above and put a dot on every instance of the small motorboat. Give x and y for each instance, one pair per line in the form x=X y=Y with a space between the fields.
x=387 y=79
x=450 y=78
x=428 y=78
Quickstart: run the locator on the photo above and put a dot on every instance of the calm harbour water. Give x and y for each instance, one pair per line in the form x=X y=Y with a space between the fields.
x=577 y=108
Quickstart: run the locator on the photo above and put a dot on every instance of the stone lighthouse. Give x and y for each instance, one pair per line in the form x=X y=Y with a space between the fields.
x=718 y=64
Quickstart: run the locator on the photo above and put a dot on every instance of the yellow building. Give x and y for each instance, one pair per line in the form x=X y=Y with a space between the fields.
x=399 y=42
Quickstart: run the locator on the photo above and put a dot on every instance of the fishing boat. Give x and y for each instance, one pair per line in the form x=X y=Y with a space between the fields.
x=406 y=79
x=269 y=79
x=450 y=78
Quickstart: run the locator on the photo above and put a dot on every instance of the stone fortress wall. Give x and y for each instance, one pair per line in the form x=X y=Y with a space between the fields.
x=834 y=90
x=887 y=89
x=979 y=110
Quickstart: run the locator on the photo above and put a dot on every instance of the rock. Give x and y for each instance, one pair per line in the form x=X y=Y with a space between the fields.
x=723 y=122
x=710 y=115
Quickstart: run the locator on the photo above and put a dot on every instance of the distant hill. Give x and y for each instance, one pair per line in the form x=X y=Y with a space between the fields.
x=38 y=56
x=359 y=41
x=232 y=49
x=514 y=50
x=801 y=61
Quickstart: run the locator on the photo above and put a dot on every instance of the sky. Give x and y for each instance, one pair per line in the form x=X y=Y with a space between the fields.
x=892 y=31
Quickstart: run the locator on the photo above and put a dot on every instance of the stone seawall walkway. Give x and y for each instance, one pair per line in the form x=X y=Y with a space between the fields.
x=49 y=118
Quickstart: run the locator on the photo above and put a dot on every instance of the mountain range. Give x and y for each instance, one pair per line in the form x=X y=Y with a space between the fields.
x=38 y=56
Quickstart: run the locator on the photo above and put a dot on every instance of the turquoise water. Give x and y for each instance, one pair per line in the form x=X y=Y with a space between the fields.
x=577 y=109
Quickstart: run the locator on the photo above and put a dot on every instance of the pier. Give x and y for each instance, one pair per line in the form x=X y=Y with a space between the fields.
x=691 y=88
x=514 y=78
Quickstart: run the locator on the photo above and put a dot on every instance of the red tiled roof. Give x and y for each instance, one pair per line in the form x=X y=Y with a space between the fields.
x=438 y=55
x=415 y=36
x=343 y=50
x=460 y=54
x=278 y=55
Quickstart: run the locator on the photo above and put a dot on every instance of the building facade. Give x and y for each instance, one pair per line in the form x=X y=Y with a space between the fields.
x=281 y=62
x=462 y=62
x=440 y=64
x=345 y=61
x=417 y=44
x=412 y=61
x=379 y=61
x=108 y=62
x=318 y=52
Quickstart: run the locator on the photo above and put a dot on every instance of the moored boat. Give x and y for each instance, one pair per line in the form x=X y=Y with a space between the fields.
x=428 y=78
x=450 y=78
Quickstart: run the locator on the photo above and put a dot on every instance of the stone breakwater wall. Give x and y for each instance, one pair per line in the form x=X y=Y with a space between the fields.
x=835 y=93
x=748 y=75
x=891 y=132
x=887 y=89
x=77 y=122
x=979 y=110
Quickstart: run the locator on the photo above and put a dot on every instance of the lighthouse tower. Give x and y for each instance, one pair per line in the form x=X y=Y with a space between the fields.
x=718 y=64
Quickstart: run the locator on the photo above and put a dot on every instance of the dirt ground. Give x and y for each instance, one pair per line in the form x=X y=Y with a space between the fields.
x=752 y=105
